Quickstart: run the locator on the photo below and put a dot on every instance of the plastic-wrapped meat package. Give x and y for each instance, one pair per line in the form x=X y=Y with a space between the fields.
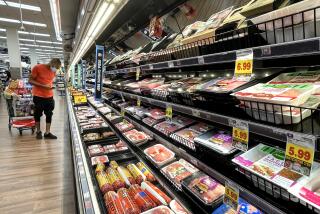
x=204 y=188
x=179 y=170
x=107 y=134
x=124 y=126
x=96 y=152
x=143 y=201
x=96 y=146
x=126 y=176
x=91 y=137
x=297 y=77
x=243 y=207
x=104 y=183
x=146 y=172
x=168 y=127
x=156 y=114
x=110 y=148
x=159 y=154
x=136 y=137
x=115 y=178
x=183 y=121
x=113 y=203
x=157 y=195
x=150 y=121
x=99 y=159
x=159 y=210
x=201 y=127
x=127 y=202
x=185 y=136
x=104 y=110
x=221 y=85
x=136 y=173
x=178 y=208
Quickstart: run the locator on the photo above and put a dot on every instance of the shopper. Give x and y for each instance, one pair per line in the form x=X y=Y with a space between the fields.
x=8 y=78
x=41 y=78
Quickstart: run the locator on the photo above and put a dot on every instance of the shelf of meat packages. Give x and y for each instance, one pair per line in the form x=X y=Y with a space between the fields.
x=167 y=148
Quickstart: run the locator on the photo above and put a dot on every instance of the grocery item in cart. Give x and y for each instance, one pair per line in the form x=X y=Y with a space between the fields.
x=218 y=140
x=99 y=159
x=206 y=189
x=178 y=170
x=293 y=94
x=127 y=202
x=159 y=210
x=143 y=201
x=159 y=154
x=155 y=193
x=136 y=173
x=113 y=203
x=137 y=137
x=178 y=208
x=104 y=183
x=124 y=126
x=146 y=172
x=243 y=207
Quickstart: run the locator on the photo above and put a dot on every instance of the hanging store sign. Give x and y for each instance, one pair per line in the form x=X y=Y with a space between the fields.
x=99 y=71
x=84 y=73
x=240 y=134
x=244 y=63
x=231 y=195
x=300 y=153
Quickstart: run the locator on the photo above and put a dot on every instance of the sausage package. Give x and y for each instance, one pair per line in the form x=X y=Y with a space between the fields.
x=104 y=182
x=115 y=178
x=143 y=201
x=146 y=172
x=137 y=174
x=127 y=202
x=126 y=176
x=155 y=192
x=113 y=203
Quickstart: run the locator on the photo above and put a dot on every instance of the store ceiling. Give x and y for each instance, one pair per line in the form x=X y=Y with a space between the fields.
x=41 y=17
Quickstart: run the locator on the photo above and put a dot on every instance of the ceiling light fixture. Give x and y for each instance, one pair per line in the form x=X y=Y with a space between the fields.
x=40 y=41
x=36 y=34
x=17 y=5
x=99 y=21
x=24 y=22
x=55 y=12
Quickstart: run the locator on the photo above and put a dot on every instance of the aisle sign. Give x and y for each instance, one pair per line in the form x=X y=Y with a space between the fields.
x=240 y=134
x=99 y=71
x=79 y=99
x=138 y=73
x=244 y=63
x=231 y=195
x=300 y=153
x=169 y=112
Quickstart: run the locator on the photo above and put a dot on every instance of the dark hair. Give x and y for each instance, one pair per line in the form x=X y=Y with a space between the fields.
x=55 y=61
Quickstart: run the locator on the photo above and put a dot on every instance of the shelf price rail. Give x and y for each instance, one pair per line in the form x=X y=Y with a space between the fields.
x=244 y=193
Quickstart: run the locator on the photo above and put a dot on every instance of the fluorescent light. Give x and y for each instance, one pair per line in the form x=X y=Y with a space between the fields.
x=3 y=37
x=22 y=48
x=40 y=46
x=35 y=34
x=24 y=22
x=40 y=41
x=55 y=12
x=17 y=5
x=3 y=30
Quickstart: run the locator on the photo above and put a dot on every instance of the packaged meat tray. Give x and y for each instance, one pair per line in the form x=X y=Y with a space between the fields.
x=186 y=137
x=297 y=77
x=217 y=140
x=96 y=151
x=159 y=154
x=268 y=163
x=160 y=209
x=178 y=170
x=287 y=116
x=156 y=114
x=221 y=85
x=150 y=121
x=168 y=127
x=113 y=118
x=136 y=137
x=157 y=195
x=293 y=94
x=104 y=110
x=124 y=126
x=143 y=201
x=177 y=208
x=201 y=127
x=206 y=189
x=91 y=137
x=308 y=189
x=99 y=159
x=243 y=207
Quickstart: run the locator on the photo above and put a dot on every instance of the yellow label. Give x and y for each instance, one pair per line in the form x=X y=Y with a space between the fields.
x=243 y=67
x=169 y=112
x=231 y=194
x=241 y=135
x=137 y=74
x=301 y=154
x=80 y=99
x=138 y=102
x=122 y=112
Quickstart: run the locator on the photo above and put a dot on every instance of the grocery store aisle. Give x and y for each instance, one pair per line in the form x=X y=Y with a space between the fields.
x=36 y=176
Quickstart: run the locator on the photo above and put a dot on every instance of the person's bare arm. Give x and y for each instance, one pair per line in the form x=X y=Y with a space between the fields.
x=34 y=82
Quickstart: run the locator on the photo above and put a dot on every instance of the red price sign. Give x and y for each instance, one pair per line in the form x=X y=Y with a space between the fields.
x=243 y=67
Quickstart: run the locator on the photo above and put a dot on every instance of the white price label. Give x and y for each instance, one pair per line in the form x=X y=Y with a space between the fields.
x=200 y=60
x=170 y=64
x=195 y=113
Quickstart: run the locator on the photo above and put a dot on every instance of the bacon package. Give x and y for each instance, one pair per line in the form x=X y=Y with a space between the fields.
x=204 y=188
x=159 y=154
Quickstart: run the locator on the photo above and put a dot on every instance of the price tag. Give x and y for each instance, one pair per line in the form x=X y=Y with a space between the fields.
x=240 y=134
x=300 y=153
x=169 y=112
x=122 y=113
x=138 y=102
x=195 y=113
x=150 y=67
x=170 y=64
x=138 y=73
x=200 y=60
x=231 y=195
x=80 y=99
x=244 y=63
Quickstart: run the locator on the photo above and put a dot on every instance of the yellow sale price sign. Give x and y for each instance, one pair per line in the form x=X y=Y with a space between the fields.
x=138 y=102
x=122 y=113
x=169 y=112
x=300 y=153
x=243 y=67
x=231 y=195
x=138 y=74
x=80 y=99
x=241 y=135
